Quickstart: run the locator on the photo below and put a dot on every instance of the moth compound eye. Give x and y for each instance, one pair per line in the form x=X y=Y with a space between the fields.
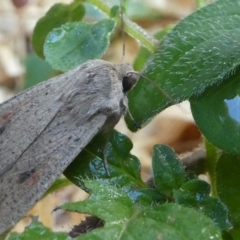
x=127 y=85
x=128 y=82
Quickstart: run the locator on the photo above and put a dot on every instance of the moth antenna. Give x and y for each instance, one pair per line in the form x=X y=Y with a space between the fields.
x=122 y=29
x=153 y=83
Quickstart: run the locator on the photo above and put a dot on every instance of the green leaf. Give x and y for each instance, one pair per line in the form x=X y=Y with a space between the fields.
x=124 y=220
x=188 y=223
x=54 y=18
x=220 y=123
x=167 y=170
x=37 y=231
x=228 y=177
x=196 y=189
x=199 y=52
x=74 y=43
x=147 y=196
x=195 y=194
x=114 y=203
x=114 y=11
x=37 y=70
x=124 y=168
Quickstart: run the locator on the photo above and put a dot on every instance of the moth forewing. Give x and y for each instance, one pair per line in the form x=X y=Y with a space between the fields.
x=44 y=128
x=20 y=115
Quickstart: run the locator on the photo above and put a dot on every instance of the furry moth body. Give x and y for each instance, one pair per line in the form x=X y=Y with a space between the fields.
x=44 y=128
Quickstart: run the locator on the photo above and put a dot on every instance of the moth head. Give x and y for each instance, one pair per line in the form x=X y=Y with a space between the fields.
x=127 y=75
x=129 y=78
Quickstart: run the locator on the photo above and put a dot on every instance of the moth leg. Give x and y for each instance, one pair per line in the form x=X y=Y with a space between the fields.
x=136 y=125
x=105 y=156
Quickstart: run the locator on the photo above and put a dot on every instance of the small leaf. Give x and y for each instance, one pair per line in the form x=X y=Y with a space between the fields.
x=227 y=179
x=167 y=170
x=147 y=196
x=195 y=194
x=187 y=222
x=217 y=114
x=124 y=168
x=104 y=202
x=124 y=220
x=54 y=18
x=114 y=11
x=199 y=52
x=197 y=189
x=37 y=70
x=37 y=231
x=74 y=43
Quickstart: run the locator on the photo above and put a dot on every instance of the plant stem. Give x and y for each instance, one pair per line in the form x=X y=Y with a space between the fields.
x=200 y=3
x=130 y=27
x=210 y=163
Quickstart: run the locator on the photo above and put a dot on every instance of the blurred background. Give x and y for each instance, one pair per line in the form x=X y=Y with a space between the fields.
x=20 y=68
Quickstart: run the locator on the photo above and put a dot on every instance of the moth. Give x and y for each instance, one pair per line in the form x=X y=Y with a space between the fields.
x=45 y=127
